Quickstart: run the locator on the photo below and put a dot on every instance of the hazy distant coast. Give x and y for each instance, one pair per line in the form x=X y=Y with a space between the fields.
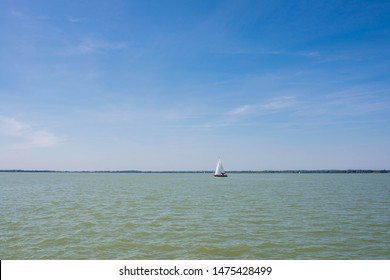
x=204 y=171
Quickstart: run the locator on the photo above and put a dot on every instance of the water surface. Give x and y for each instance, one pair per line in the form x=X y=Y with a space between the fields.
x=194 y=216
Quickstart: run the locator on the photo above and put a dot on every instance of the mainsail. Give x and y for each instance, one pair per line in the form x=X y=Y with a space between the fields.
x=219 y=171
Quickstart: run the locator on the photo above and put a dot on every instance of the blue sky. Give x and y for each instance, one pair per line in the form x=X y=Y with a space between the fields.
x=176 y=85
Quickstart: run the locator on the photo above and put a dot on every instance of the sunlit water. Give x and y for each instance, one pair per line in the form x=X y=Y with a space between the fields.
x=194 y=216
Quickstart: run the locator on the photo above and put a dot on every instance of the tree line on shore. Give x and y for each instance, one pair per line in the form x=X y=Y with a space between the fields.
x=208 y=171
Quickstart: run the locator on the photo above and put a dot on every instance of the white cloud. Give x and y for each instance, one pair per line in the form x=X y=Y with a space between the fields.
x=279 y=103
x=17 y=14
x=279 y=53
x=11 y=126
x=73 y=19
x=25 y=136
x=245 y=109
x=273 y=105
x=88 y=46
x=38 y=139
x=350 y=103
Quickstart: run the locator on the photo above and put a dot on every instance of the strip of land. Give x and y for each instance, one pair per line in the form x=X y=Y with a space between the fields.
x=204 y=171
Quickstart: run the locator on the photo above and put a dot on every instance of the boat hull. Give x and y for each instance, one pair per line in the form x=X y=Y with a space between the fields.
x=222 y=175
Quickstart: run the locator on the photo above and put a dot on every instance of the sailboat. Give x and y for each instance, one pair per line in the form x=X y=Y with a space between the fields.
x=219 y=171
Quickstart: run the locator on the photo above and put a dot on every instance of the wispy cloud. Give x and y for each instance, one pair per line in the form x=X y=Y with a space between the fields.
x=349 y=107
x=290 y=53
x=351 y=103
x=73 y=19
x=11 y=126
x=16 y=14
x=247 y=114
x=89 y=46
x=38 y=139
x=347 y=104
x=279 y=53
x=25 y=136
x=28 y=16
x=271 y=106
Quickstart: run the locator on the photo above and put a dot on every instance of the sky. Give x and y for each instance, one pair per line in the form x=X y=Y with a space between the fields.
x=177 y=85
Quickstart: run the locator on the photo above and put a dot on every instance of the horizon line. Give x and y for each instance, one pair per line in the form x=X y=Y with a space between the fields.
x=201 y=171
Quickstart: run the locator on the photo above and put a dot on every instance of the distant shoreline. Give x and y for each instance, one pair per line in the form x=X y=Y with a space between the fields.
x=205 y=171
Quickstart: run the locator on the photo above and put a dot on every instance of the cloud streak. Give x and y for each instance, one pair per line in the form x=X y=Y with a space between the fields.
x=90 y=46
x=272 y=106
x=11 y=126
x=16 y=14
x=73 y=19
x=349 y=107
x=308 y=54
x=37 y=139
x=25 y=136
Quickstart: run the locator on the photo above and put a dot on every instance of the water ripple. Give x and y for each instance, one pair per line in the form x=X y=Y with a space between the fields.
x=195 y=216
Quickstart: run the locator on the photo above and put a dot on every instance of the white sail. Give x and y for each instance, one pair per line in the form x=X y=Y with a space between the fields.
x=219 y=171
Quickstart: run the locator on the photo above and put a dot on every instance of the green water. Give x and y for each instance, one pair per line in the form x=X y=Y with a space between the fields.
x=194 y=216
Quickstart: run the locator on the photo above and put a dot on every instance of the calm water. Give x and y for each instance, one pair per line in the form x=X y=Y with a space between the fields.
x=194 y=216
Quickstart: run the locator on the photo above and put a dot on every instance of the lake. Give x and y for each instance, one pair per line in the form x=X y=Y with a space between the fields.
x=194 y=216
